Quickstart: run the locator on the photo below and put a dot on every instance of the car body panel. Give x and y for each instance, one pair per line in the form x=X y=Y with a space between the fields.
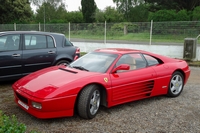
x=134 y=84
x=51 y=85
x=10 y=64
x=36 y=59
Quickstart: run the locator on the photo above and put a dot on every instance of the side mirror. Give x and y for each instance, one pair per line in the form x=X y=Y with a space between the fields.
x=121 y=67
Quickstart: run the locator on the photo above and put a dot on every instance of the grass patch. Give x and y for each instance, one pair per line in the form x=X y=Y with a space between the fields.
x=194 y=63
x=141 y=37
x=83 y=53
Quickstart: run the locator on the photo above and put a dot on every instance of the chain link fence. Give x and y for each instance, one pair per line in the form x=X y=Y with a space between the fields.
x=137 y=31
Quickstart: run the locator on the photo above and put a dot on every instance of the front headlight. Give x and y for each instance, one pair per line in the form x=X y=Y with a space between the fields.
x=37 y=105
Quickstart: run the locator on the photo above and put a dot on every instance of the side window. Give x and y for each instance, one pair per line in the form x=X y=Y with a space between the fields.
x=9 y=42
x=50 y=42
x=135 y=61
x=35 y=42
x=67 y=43
x=151 y=60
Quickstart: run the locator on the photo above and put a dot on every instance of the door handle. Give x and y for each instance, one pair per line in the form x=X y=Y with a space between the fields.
x=16 y=55
x=51 y=52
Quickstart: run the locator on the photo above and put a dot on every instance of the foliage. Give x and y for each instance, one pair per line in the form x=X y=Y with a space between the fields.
x=163 y=15
x=182 y=15
x=55 y=3
x=196 y=14
x=124 y=6
x=51 y=14
x=15 y=11
x=74 y=17
x=156 y=5
x=169 y=15
x=130 y=27
x=139 y=13
x=110 y=14
x=88 y=10
x=10 y=124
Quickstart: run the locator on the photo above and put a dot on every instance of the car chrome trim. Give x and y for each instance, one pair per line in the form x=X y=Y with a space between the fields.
x=51 y=52
x=53 y=40
x=10 y=66
x=16 y=55
x=8 y=76
x=37 y=64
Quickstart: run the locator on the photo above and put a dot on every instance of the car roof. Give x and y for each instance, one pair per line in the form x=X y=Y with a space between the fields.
x=118 y=50
x=32 y=32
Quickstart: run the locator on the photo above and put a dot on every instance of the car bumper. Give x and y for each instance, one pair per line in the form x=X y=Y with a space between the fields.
x=51 y=108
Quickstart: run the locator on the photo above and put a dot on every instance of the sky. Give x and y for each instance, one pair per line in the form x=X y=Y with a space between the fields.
x=73 y=5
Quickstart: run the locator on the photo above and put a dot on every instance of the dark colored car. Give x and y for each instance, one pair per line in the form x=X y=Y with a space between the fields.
x=23 y=52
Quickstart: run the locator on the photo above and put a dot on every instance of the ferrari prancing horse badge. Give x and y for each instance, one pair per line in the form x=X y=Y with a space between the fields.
x=106 y=80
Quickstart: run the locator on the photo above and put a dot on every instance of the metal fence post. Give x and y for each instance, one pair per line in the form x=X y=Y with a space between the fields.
x=69 y=31
x=105 y=34
x=15 y=26
x=39 y=27
x=151 y=32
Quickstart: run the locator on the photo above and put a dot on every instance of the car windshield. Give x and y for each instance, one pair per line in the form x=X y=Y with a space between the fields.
x=94 y=62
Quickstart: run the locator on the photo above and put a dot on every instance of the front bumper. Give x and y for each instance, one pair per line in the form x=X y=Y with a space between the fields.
x=51 y=108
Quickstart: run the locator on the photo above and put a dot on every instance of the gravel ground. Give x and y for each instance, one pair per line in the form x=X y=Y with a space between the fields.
x=155 y=115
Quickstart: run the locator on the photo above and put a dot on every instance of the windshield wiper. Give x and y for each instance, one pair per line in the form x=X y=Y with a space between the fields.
x=80 y=68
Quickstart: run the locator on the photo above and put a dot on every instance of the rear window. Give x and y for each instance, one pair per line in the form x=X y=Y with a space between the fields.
x=152 y=60
x=67 y=43
x=38 y=41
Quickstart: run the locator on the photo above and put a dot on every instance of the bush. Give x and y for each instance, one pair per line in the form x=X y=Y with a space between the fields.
x=163 y=15
x=130 y=27
x=196 y=14
x=169 y=15
x=182 y=15
x=10 y=124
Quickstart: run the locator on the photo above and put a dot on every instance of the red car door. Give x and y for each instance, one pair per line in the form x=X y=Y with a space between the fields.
x=134 y=84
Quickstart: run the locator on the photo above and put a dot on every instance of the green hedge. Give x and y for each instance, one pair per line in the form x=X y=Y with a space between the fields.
x=10 y=124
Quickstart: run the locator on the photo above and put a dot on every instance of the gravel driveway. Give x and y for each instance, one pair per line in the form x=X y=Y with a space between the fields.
x=154 y=115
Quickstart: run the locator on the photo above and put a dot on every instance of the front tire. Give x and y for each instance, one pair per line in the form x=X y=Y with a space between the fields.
x=89 y=102
x=176 y=84
x=62 y=62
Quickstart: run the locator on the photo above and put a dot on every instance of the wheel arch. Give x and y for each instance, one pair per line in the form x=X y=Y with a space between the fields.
x=102 y=91
x=62 y=59
x=182 y=72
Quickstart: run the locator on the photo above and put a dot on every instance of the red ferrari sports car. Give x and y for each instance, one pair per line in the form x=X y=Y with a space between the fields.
x=104 y=77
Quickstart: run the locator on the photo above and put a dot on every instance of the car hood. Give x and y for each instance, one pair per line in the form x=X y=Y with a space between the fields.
x=41 y=83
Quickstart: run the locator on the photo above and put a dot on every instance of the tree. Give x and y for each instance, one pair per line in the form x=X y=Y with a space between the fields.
x=88 y=10
x=155 y=5
x=55 y=3
x=169 y=15
x=196 y=14
x=124 y=6
x=110 y=14
x=18 y=11
x=74 y=17
x=139 y=13
x=49 y=13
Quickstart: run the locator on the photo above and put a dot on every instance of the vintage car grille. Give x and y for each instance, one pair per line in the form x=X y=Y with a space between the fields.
x=20 y=97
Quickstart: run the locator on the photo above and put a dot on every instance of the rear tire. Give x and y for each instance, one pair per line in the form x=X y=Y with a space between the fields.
x=176 y=84
x=89 y=102
x=62 y=62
